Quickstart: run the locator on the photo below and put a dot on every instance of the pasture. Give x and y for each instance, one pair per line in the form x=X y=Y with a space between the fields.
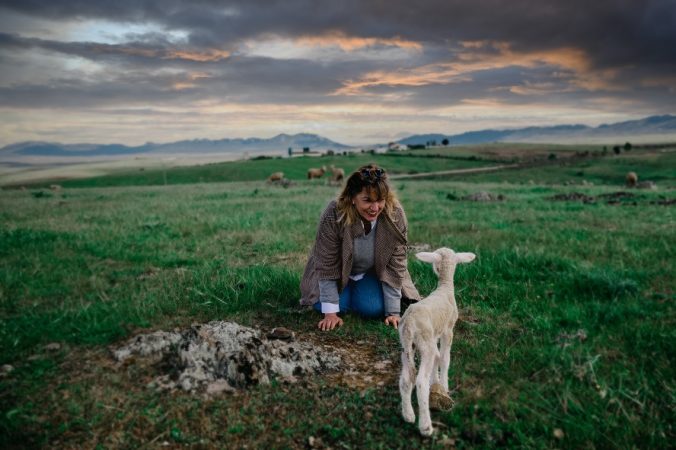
x=565 y=339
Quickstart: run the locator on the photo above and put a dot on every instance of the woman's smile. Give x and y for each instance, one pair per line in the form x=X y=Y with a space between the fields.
x=368 y=206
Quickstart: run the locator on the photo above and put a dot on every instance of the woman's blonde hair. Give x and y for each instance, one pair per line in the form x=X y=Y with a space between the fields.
x=374 y=179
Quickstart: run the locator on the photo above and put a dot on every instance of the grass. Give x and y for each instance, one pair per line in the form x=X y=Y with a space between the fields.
x=567 y=315
x=259 y=169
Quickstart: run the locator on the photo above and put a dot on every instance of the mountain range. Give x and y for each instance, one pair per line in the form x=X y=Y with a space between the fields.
x=649 y=126
x=654 y=127
x=278 y=144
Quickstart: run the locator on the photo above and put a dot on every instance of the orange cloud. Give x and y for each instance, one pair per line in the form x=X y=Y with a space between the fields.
x=190 y=81
x=489 y=55
x=351 y=43
x=209 y=55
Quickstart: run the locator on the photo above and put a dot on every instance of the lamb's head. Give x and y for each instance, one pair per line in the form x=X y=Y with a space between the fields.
x=444 y=260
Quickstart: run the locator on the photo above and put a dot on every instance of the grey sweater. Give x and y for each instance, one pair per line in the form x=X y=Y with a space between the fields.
x=363 y=260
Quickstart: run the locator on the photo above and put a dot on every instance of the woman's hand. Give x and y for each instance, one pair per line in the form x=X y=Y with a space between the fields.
x=392 y=320
x=330 y=321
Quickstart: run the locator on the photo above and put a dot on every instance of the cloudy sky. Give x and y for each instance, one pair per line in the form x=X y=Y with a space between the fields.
x=356 y=71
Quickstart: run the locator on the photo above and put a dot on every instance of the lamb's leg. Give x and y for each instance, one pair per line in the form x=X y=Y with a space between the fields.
x=406 y=385
x=446 y=342
x=427 y=356
x=434 y=378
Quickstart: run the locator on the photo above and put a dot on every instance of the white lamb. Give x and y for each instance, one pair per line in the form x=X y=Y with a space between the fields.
x=429 y=324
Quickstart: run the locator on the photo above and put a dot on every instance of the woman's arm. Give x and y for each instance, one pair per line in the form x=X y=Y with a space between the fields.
x=328 y=263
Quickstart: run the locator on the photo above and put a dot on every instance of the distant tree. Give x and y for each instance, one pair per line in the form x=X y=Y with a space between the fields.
x=290 y=152
x=330 y=153
x=627 y=146
x=306 y=149
x=444 y=142
x=605 y=150
x=616 y=149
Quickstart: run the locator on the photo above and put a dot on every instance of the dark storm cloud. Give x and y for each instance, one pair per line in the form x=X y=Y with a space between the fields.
x=613 y=49
x=612 y=32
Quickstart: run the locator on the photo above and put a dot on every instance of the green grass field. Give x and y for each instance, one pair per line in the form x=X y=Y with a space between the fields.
x=566 y=337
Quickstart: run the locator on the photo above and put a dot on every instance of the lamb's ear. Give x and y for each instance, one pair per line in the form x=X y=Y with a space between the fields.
x=465 y=257
x=429 y=257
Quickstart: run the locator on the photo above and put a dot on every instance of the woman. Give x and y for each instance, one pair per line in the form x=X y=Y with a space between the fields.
x=358 y=262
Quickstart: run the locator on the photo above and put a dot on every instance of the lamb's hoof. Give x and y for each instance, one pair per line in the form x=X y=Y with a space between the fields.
x=409 y=416
x=428 y=431
x=439 y=399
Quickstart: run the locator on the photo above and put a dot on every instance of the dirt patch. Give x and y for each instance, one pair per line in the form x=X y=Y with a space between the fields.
x=612 y=198
x=664 y=201
x=574 y=197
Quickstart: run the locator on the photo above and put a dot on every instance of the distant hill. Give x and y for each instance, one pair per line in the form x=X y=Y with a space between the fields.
x=279 y=143
x=654 y=125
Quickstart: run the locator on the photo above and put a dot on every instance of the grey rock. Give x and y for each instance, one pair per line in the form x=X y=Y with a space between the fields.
x=281 y=333
x=219 y=356
x=6 y=369
x=483 y=196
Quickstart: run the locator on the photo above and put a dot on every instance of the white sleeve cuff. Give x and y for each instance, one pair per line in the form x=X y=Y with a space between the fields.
x=330 y=308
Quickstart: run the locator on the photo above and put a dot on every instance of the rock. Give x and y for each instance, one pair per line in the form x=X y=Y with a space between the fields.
x=52 y=347
x=558 y=433
x=218 y=386
x=646 y=185
x=314 y=442
x=281 y=333
x=220 y=356
x=5 y=370
x=484 y=196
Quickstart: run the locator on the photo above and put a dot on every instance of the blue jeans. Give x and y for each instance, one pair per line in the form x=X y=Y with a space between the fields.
x=363 y=297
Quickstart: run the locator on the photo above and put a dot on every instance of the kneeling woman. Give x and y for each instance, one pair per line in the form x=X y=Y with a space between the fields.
x=358 y=263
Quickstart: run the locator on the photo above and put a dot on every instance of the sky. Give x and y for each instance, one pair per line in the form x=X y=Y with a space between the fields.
x=356 y=71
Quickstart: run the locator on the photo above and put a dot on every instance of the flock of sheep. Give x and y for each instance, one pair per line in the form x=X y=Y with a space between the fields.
x=337 y=174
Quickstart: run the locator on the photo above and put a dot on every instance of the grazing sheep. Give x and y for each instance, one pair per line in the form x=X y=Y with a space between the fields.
x=276 y=176
x=316 y=173
x=427 y=324
x=337 y=174
x=631 y=179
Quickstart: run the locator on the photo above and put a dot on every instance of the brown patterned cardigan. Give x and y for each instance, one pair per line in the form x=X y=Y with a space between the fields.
x=331 y=256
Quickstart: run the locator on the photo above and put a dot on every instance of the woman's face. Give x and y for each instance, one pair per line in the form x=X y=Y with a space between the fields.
x=368 y=206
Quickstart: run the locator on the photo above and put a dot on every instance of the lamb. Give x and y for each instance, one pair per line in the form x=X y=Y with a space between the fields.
x=337 y=174
x=316 y=173
x=276 y=176
x=428 y=324
x=631 y=179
